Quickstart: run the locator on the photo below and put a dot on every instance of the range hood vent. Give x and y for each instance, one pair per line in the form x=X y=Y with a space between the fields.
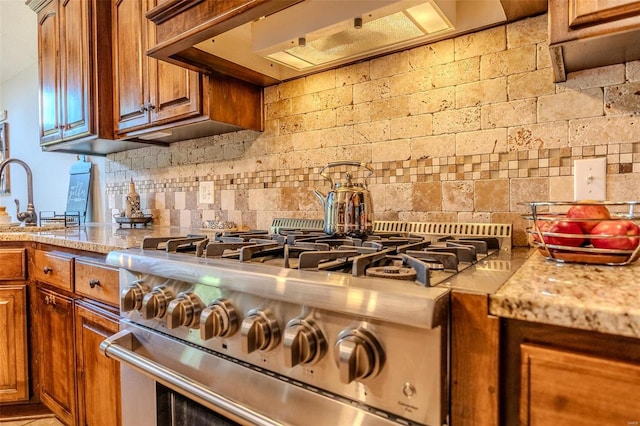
x=316 y=35
x=346 y=30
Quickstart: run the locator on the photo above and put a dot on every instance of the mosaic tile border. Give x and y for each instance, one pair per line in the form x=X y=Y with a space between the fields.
x=621 y=158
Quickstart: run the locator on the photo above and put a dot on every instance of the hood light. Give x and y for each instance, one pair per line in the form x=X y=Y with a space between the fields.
x=428 y=18
x=355 y=37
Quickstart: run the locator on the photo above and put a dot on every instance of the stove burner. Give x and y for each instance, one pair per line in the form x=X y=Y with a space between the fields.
x=394 y=272
x=424 y=259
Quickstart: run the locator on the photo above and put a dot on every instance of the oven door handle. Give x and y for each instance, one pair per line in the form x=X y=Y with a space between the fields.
x=117 y=347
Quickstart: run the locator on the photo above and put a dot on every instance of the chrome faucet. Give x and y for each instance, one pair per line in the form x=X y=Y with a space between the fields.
x=30 y=217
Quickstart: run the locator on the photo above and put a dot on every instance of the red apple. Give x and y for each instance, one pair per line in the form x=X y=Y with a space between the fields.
x=586 y=210
x=543 y=226
x=564 y=227
x=623 y=235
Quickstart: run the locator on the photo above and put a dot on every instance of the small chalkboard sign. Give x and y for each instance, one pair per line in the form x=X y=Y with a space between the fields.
x=79 y=187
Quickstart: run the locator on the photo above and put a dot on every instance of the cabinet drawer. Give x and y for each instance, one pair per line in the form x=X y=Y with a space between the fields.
x=97 y=281
x=53 y=268
x=14 y=264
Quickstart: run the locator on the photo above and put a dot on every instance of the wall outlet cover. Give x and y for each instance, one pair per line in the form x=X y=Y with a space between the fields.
x=590 y=179
x=206 y=194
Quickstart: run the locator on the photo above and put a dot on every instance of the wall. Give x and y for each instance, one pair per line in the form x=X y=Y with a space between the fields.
x=19 y=96
x=459 y=130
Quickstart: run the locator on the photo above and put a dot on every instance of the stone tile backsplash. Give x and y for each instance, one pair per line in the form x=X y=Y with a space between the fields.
x=459 y=130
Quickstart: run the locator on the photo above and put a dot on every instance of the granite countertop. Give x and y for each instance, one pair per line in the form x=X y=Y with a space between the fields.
x=590 y=297
x=94 y=237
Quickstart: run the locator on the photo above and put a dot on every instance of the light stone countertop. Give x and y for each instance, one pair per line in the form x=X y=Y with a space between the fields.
x=98 y=238
x=590 y=297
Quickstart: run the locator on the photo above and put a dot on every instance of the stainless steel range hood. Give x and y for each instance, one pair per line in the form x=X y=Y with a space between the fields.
x=316 y=35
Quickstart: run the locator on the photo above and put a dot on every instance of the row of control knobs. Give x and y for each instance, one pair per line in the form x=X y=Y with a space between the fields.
x=357 y=351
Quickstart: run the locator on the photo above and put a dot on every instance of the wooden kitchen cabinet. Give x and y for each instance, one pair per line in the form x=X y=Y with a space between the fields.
x=147 y=92
x=474 y=361
x=14 y=343
x=76 y=309
x=590 y=34
x=176 y=20
x=53 y=268
x=14 y=264
x=98 y=376
x=560 y=376
x=97 y=281
x=564 y=387
x=14 y=358
x=55 y=322
x=74 y=65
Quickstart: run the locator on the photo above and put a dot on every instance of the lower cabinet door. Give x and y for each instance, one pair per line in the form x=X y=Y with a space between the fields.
x=56 y=354
x=14 y=384
x=98 y=376
x=568 y=388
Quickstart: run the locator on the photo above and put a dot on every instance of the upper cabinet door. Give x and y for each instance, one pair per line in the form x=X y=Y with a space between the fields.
x=74 y=71
x=148 y=92
x=49 y=74
x=130 y=65
x=586 y=34
x=175 y=92
x=584 y=13
x=75 y=57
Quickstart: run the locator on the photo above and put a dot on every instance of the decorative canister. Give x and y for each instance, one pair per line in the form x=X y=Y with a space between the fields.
x=4 y=216
x=133 y=201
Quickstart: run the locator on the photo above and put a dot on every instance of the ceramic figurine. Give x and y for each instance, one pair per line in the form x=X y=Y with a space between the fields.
x=133 y=202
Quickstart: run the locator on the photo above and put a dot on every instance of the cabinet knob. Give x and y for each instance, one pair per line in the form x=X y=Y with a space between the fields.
x=150 y=107
x=46 y=270
x=143 y=108
x=94 y=282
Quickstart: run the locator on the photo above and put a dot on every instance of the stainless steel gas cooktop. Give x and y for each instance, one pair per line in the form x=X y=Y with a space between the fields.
x=356 y=328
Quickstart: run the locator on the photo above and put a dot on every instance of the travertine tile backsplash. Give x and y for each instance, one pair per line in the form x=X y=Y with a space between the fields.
x=459 y=130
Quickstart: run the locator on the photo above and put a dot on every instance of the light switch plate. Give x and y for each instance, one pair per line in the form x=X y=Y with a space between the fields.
x=206 y=193
x=3 y=114
x=590 y=179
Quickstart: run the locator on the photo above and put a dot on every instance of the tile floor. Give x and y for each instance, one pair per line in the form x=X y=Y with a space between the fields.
x=50 y=421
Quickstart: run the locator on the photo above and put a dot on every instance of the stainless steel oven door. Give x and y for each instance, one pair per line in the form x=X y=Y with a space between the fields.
x=231 y=390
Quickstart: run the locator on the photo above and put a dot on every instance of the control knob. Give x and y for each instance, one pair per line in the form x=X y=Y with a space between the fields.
x=358 y=354
x=154 y=304
x=260 y=331
x=219 y=319
x=304 y=342
x=184 y=310
x=131 y=296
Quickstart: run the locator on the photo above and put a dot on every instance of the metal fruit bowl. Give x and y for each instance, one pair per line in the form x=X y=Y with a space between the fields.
x=572 y=249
